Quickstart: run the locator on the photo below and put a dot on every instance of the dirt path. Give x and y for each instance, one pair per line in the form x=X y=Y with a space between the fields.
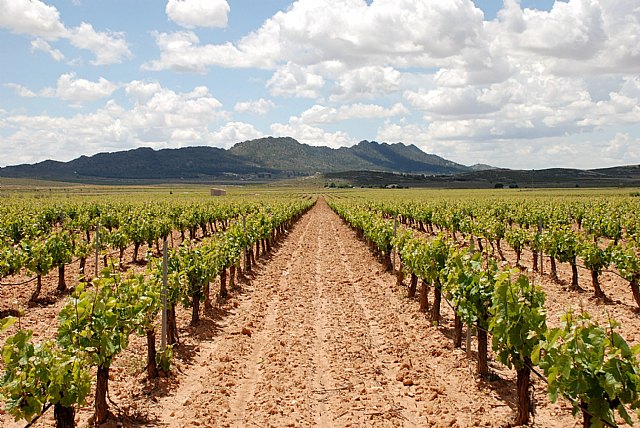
x=322 y=337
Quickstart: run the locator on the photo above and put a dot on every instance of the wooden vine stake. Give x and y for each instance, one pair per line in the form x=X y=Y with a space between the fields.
x=165 y=256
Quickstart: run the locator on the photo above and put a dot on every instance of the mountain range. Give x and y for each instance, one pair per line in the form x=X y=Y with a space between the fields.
x=265 y=157
x=367 y=163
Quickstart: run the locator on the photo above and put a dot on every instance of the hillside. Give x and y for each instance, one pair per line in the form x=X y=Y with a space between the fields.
x=141 y=163
x=622 y=176
x=262 y=158
x=287 y=154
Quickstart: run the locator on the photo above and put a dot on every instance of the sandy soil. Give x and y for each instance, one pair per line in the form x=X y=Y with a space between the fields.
x=319 y=335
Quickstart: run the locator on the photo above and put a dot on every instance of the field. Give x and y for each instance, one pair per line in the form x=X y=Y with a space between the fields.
x=321 y=331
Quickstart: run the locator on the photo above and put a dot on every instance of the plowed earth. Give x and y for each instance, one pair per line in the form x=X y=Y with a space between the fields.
x=319 y=335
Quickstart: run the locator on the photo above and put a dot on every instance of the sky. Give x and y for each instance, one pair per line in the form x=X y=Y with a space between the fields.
x=526 y=84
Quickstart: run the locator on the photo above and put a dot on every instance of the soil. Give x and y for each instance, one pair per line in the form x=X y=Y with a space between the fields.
x=320 y=335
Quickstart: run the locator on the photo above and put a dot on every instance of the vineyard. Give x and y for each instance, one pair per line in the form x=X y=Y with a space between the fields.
x=349 y=308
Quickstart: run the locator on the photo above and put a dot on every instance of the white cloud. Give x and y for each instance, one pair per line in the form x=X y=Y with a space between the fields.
x=319 y=114
x=32 y=17
x=576 y=36
x=181 y=51
x=163 y=118
x=109 y=48
x=259 y=107
x=312 y=135
x=69 y=88
x=574 y=29
x=234 y=132
x=168 y=109
x=142 y=91
x=294 y=81
x=366 y=82
x=450 y=101
x=42 y=45
x=622 y=146
x=387 y=31
x=37 y=19
x=198 y=13
x=314 y=31
x=20 y=90
x=595 y=151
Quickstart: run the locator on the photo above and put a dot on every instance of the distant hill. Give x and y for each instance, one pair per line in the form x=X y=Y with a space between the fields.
x=481 y=167
x=622 y=176
x=262 y=158
x=139 y=164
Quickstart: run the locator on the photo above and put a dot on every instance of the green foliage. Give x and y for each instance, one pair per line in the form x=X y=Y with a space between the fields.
x=592 y=365
x=37 y=374
x=164 y=357
x=195 y=271
x=471 y=286
x=60 y=248
x=38 y=257
x=83 y=248
x=627 y=261
x=565 y=244
x=11 y=260
x=595 y=258
x=95 y=321
x=117 y=239
x=516 y=238
x=519 y=319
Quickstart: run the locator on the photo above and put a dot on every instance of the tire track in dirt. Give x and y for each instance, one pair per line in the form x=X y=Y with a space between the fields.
x=264 y=339
x=399 y=405
x=323 y=381
x=295 y=369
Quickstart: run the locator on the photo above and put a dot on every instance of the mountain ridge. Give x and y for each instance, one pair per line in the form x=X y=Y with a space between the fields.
x=271 y=157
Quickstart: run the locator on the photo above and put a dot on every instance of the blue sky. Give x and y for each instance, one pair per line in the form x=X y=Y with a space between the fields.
x=520 y=84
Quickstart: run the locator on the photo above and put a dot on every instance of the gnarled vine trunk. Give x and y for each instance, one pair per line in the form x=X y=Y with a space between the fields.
x=36 y=292
x=152 y=366
x=64 y=416
x=635 y=289
x=399 y=277
x=574 y=276
x=457 y=331
x=207 y=297
x=483 y=364
x=499 y=247
x=232 y=277
x=223 y=284
x=136 y=248
x=595 y=281
x=424 y=296
x=413 y=286
x=437 y=298
x=195 y=309
x=524 y=398
x=172 y=327
x=102 y=386
x=554 y=268
x=586 y=417
x=62 y=285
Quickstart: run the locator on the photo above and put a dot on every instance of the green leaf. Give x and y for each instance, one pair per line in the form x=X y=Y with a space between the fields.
x=7 y=322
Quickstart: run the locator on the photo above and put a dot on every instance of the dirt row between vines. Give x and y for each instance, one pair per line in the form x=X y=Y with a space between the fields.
x=323 y=337
x=319 y=336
